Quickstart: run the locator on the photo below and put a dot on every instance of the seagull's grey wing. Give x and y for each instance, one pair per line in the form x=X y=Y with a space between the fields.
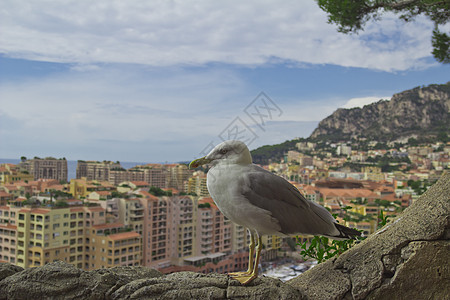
x=286 y=204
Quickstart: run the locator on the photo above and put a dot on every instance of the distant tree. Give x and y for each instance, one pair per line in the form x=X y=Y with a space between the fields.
x=351 y=15
x=61 y=203
x=413 y=142
x=442 y=137
x=23 y=158
x=156 y=191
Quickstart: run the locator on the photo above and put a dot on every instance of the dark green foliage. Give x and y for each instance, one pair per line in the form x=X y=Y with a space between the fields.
x=351 y=15
x=61 y=203
x=441 y=46
x=274 y=153
x=204 y=205
x=322 y=249
x=156 y=191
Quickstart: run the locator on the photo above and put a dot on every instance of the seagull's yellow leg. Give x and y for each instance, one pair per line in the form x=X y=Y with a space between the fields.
x=245 y=279
x=251 y=251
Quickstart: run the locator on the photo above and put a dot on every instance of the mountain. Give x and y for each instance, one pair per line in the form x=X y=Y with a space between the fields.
x=419 y=112
x=422 y=112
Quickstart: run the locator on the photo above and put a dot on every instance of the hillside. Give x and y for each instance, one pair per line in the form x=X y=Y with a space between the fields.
x=422 y=112
x=272 y=153
x=419 y=112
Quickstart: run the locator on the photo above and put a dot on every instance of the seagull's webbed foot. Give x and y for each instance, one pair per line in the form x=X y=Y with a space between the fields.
x=245 y=278
x=239 y=274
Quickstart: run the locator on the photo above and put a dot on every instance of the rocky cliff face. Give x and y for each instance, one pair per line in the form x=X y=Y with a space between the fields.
x=407 y=259
x=417 y=112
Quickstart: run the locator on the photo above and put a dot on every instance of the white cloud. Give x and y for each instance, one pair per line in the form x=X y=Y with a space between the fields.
x=360 y=102
x=125 y=113
x=137 y=113
x=165 y=33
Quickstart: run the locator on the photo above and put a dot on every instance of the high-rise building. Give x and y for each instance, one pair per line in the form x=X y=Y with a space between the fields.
x=48 y=168
x=10 y=173
x=184 y=214
x=196 y=184
x=177 y=175
x=131 y=213
x=157 y=250
x=95 y=170
x=31 y=237
x=214 y=230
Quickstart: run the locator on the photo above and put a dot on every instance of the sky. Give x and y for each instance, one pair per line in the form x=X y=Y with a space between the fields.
x=164 y=81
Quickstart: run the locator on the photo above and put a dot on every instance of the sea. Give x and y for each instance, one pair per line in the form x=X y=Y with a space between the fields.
x=72 y=166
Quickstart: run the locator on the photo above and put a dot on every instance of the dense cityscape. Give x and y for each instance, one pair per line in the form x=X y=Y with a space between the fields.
x=162 y=216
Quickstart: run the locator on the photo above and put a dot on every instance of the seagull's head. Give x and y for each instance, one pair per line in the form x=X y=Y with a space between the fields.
x=228 y=152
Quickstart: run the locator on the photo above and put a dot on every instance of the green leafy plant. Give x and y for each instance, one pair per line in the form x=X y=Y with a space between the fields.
x=322 y=248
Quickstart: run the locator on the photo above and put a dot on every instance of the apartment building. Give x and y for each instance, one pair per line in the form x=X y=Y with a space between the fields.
x=177 y=175
x=239 y=241
x=196 y=184
x=48 y=168
x=154 y=174
x=31 y=237
x=10 y=173
x=184 y=214
x=214 y=230
x=120 y=175
x=81 y=188
x=157 y=250
x=131 y=213
x=95 y=170
x=8 y=234
x=271 y=246
x=112 y=245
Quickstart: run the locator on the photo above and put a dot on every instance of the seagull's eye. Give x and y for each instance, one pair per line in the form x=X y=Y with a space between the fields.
x=223 y=151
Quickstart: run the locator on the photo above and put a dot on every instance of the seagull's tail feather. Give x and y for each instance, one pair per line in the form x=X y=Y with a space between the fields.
x=346 y=233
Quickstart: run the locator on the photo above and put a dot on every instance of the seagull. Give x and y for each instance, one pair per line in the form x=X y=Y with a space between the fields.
x=262 y=202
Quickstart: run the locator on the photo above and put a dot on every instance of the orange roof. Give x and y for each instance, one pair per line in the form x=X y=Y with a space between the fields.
x=76 y=209
x=140 y=183
x=124 y=235
x=4 y=207
x=96 y=208
x=8 y=226
x=207 y=200
x=173 y=190
x=148 y=195
x=40 y=211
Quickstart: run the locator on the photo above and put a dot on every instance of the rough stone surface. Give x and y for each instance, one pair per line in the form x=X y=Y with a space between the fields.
x=60 y=280
x=7 y=270
x=190 y=285
x=409 y=256
x=427 y=265
x=407 y=259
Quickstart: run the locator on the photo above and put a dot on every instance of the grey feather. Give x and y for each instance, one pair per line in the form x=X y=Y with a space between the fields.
x=294 y=213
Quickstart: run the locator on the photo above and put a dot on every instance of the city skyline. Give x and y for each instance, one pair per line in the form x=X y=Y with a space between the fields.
x=154 y=82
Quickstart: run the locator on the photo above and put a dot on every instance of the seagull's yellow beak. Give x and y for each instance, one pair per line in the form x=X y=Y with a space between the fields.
x=199 y=162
